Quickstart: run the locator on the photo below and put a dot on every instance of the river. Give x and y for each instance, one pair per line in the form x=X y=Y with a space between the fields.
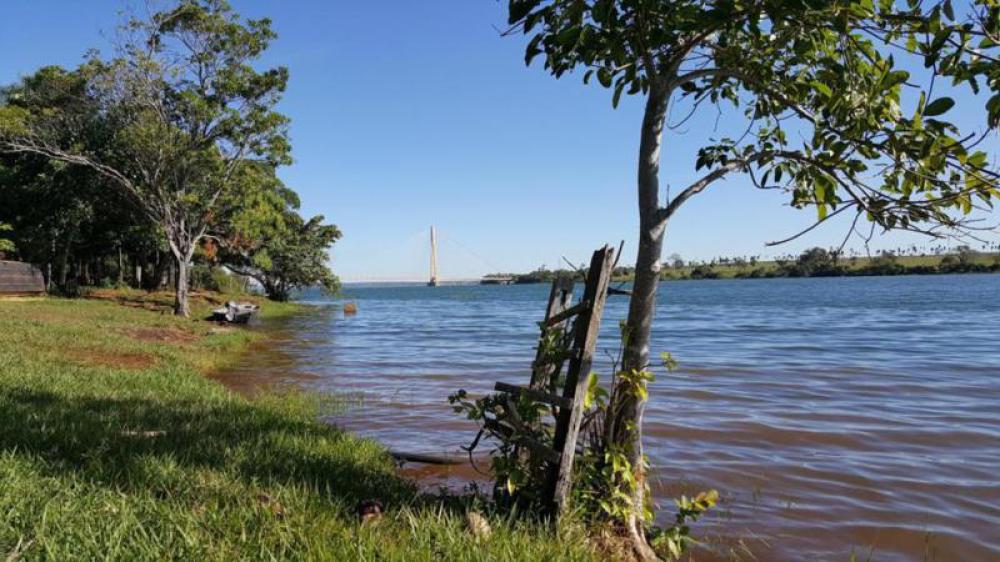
x=835 y=416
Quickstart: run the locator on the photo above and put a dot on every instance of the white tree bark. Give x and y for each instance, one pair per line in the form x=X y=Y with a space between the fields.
x=625 y=429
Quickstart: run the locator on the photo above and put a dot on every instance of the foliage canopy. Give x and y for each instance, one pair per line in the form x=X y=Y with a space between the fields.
x=171 y=123
x=830 y=91
x=838 y=115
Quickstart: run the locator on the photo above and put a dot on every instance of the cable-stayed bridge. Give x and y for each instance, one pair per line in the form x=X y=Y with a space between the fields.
x=420 y=263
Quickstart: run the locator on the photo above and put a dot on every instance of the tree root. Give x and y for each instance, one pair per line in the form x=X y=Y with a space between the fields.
x=640 y=545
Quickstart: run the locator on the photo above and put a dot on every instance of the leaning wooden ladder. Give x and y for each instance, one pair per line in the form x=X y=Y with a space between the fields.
x=582 y=341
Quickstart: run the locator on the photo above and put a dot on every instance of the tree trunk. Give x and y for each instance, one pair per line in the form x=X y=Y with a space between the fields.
x=159 y=278
x=182 y=249
x=50 y=270
x=64 y=260
x=181 y=306
x=626 y=430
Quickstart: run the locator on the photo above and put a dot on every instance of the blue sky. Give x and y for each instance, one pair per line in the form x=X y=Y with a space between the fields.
x=406 y=114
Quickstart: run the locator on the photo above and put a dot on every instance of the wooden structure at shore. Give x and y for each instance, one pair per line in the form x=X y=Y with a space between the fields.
x=576 y=328
x=19 y=278
x=567 y=408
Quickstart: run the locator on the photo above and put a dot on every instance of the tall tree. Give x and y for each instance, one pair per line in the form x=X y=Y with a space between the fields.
x=828 y=111
x=62 y=215
x=295 y=259
x=47 y=201
x=266 y=239
x=179 y=108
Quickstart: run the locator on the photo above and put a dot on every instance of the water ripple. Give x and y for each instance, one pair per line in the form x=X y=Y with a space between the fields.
x=836 y=416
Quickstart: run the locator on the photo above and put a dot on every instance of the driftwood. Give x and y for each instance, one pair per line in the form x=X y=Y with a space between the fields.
x=429 y=459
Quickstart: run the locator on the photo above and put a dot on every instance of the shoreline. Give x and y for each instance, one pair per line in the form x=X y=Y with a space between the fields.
x=813 y=263
x=106 y=409
x=247 y=377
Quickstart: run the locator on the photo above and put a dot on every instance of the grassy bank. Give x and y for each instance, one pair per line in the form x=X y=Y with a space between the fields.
x=113 y=446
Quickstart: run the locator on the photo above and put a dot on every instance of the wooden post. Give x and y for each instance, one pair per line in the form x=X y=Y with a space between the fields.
x=560 y=298
x=586 y=329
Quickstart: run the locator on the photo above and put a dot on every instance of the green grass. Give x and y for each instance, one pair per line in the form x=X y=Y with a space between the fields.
x=113 y=446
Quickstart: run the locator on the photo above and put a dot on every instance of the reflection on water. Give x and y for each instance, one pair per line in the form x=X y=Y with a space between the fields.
x=836 y=416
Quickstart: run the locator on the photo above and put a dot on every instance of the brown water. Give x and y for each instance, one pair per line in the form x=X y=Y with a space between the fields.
x=837 y=417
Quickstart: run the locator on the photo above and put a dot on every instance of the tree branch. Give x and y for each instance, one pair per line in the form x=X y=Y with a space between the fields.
x=664 y=213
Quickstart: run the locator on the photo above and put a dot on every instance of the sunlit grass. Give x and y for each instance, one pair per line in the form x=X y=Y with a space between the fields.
x=113 y=446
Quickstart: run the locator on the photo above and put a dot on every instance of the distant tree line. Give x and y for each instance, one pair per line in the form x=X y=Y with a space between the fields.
x=540 y=275
x=820 y=262
x=545 y=275
x=814 y=262
x=158 y=167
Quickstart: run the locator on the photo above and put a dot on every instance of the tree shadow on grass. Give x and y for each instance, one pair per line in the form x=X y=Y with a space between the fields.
x=112 y=441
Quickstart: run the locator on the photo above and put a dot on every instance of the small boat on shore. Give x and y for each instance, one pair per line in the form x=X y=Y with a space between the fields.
x=235 y=313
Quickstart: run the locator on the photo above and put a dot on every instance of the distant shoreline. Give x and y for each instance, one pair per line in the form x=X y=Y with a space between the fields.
x=816 y=262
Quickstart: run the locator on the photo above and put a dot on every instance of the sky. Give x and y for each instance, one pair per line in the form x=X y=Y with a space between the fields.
x=408 y=114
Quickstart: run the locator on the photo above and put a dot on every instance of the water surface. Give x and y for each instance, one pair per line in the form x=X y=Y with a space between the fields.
x=836 y=416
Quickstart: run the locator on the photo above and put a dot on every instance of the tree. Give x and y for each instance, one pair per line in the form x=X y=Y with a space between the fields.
x=68 y=219
x=266 y=239
x=675 y=260
x=296 y=260
x=177 y=111
x=828 y=119
x=966 y=255
x=45 y=201
x=815 y=262
x=5 y=244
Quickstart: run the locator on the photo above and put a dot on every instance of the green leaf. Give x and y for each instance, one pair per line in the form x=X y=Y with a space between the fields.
x=588 y=398
x=948 y=9
x=938 y=106
x=993 y=111
x=821 y=88
x=521 y=8
x=604 y=77
x=618 y=95
x=896 y=77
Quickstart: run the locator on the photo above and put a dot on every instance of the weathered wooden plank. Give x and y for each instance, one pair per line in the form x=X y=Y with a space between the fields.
x=568 y=313
x=533 y=394
x=543 y=451
x=544 y=369
x=554 y=358
x=585 y=339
